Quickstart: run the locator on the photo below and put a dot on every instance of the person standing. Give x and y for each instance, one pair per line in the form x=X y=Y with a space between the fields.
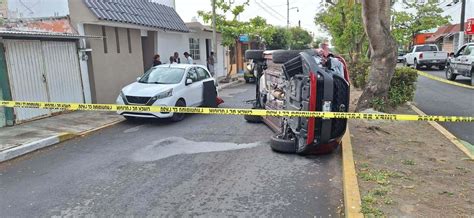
x=189 y=59
x=176 y=58
x=210 y=63
x=156 y=60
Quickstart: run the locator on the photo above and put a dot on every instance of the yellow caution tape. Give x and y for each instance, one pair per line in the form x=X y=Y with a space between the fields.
x=427 y=75
x=230 y=111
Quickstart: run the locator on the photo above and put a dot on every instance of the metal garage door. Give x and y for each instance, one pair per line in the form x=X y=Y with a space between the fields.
x=43 y=71
x=27 y=77
x=62 y=72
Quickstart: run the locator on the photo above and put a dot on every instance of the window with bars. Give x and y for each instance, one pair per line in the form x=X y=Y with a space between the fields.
x=194 y=48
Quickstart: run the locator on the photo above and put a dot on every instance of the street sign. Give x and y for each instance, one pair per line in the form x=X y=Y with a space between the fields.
x=244 y=38
x=470 y=26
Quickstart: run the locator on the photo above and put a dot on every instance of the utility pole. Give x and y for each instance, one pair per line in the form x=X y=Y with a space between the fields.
x=461 y=29
x=214 y=32
x=287 y=14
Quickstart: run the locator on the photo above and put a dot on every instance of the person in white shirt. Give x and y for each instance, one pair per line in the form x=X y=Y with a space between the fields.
x=188 y=58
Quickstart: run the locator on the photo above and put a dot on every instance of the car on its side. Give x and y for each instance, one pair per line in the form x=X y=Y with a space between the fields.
x=301 y=81
x=178 y=85
x=427 y=55
x=461 y=63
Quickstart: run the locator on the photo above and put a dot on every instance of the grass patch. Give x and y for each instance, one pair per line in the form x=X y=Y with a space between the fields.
x=408 y=162
x=379 y=176
x=368 y=207
x=381 y=191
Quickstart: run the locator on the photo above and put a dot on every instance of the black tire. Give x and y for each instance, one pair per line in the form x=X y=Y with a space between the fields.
x=282 y=145
x=450 y=74
x=441 y=67
x=179 y=116
x=283 y=56
x=247 y=80
x=253 y=118
x=254 y=54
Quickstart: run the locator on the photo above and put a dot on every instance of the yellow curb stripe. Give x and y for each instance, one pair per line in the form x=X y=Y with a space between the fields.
x=446 y=133
x=352 y=202
x=427 y=75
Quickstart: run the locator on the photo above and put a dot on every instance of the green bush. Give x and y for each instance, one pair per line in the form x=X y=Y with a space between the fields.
x=402 y=86
x=359 y=72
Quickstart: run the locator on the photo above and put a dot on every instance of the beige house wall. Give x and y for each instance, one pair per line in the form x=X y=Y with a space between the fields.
x=110 y=72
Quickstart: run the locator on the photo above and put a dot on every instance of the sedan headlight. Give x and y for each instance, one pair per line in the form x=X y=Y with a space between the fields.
x=165 y=94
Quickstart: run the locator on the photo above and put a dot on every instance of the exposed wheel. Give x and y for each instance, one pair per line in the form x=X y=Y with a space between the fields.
x=283 y=56
x=254 y=54
x=179 y=116
x=277 y=143
x=441 y=67
x=450 y=74
x=253 y=118
x=247 y=80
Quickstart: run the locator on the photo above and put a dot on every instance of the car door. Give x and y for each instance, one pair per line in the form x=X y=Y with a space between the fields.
x=456 y=61
x=203 y=76
x=465 y=59
x=409 y=56
x=193 y=92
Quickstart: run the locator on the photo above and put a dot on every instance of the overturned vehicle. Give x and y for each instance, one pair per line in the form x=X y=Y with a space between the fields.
x=301 y=81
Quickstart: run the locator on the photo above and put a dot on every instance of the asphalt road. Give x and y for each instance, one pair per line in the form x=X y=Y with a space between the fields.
x=203 y=166
x=437 y=98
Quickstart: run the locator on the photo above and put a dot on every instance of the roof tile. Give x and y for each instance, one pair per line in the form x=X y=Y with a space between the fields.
x=140 y=12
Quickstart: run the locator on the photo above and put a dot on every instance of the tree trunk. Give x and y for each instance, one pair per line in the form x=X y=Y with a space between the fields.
x=383 y=51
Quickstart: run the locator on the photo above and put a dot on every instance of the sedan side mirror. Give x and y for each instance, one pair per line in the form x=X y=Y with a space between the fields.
x=138 y=79
x=451 y=54
x=189 y=81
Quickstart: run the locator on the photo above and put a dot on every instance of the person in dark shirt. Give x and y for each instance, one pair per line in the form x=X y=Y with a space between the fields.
x=156 y=60
x=176 y=58
x=172 y=60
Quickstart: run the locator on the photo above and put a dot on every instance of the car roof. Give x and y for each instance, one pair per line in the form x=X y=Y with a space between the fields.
x=179 y=66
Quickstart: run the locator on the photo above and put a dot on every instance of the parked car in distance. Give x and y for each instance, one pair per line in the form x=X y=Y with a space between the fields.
x=426 y=55
x=167 y=85
x=461 y=63
x=401 y=56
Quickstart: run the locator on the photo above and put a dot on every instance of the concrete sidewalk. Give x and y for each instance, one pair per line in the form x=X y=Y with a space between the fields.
x=22 y=139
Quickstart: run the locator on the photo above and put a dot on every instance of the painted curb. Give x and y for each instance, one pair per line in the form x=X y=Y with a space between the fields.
x=352 y=202
x=445 y=132
x=226 y=85
x=33 y=146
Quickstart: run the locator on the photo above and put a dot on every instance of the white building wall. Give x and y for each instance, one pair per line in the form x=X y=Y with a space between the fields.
x=169 y=42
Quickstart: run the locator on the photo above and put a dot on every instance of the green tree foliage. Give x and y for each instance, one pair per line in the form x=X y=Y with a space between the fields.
x=343 y=21
x=257 y=28
x=406 y=25
x=300 y=38
x=280 y=39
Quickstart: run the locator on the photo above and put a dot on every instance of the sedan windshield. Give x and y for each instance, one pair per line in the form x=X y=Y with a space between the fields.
x=162 y=75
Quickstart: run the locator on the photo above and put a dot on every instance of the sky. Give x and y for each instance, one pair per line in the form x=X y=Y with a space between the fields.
x=274 y=11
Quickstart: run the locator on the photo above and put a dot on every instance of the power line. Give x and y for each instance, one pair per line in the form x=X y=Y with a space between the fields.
x=266 y=10
x=276 y=12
